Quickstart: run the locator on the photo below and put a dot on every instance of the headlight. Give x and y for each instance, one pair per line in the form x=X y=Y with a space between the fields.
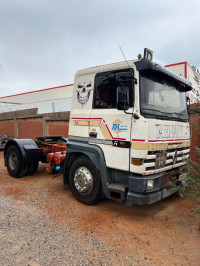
x=150 y=184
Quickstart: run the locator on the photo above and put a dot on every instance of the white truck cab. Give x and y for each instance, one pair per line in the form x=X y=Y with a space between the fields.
x=129 y=133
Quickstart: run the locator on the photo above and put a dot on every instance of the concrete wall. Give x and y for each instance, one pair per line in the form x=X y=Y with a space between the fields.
x=29 y=124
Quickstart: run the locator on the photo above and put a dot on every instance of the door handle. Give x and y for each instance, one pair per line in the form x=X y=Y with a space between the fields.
x=93 y=134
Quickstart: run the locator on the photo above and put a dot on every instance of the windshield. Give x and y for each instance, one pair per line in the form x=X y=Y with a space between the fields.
x=159 y=97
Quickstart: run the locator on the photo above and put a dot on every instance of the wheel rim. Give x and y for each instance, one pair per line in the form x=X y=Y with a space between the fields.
x=83 y=180
x=12 y=160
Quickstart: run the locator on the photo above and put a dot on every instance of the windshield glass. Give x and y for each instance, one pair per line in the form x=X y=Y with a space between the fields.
x=160 y=97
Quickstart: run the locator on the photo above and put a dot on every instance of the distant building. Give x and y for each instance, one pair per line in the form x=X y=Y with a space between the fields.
x=190 y=73
x=56 y=99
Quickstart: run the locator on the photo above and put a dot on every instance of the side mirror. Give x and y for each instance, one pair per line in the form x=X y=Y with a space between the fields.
x=122 y=98
x=188 y=105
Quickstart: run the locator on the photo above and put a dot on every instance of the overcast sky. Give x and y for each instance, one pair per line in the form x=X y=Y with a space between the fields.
x=44 y=42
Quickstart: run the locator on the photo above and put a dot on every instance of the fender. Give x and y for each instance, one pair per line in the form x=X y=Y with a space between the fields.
x=94 y=153
x=27 y=148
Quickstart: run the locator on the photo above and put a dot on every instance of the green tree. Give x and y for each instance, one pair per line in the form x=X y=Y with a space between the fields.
x=194 y=166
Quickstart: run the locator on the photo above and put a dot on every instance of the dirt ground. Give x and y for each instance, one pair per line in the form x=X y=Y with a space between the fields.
x=165 y=233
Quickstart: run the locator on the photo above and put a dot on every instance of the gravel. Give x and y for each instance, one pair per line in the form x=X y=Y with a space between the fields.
x=29 y=238
x=42 y=224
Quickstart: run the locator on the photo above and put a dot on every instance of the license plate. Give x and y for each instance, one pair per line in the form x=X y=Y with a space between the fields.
x=160 y=160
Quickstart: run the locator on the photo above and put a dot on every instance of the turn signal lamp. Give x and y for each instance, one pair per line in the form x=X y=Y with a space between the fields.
x=50 y=157
x=59 y=159
x=48 y=170
x=44 y=149
x=136 y=161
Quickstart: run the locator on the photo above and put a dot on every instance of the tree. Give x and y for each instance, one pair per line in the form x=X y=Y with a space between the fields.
x=194 y=166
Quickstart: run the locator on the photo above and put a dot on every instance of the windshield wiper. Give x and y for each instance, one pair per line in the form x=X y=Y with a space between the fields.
x=160 y=114
x=179 y=116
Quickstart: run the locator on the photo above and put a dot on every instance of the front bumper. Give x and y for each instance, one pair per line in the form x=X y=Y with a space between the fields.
x=145 y=199
x=138 y=193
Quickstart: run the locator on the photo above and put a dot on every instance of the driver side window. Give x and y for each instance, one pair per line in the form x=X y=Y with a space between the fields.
x=105 y=90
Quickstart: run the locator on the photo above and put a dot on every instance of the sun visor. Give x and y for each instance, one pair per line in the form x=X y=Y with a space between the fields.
x=145 y=65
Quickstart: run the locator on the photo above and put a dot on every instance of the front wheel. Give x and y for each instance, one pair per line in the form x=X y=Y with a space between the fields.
x=84 y=181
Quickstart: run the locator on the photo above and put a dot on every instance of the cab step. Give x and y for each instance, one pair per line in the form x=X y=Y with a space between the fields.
x=118 y=191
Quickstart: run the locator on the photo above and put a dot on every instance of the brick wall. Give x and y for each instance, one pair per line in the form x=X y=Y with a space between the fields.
x=195 y=132
x=7 y=128
x=28 y=124
x=57 y=128
x=30 y=128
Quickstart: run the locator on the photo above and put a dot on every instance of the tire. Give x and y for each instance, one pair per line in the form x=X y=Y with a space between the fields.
x=84 y=181
x=14 y=162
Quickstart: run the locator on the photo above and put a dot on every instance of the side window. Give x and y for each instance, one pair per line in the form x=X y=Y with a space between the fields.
x=105 y=89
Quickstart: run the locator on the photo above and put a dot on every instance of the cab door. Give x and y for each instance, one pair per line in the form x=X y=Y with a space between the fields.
x=110 y=128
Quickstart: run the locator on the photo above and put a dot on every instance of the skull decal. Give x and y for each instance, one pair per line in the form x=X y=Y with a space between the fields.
x=83 y=92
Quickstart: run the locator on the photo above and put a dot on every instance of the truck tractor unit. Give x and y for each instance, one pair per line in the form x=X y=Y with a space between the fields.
x=129 y=135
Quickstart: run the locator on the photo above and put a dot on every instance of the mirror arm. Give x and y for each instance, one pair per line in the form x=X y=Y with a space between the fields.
x=127 y=113
x=135 y=116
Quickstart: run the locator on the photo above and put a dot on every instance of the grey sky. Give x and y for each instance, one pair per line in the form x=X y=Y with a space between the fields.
x=44 y=42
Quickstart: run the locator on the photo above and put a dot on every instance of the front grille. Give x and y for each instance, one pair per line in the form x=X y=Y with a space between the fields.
x=175 y=157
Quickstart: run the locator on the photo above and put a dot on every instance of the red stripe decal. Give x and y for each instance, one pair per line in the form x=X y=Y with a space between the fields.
x=86 y=118
x=140 y=140
x=155 y=140
x=176 y=64
x=186 y=70
x=108 y=130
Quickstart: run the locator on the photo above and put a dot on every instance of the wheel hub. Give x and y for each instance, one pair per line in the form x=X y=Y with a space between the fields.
x=83 y=180
x=12 y=160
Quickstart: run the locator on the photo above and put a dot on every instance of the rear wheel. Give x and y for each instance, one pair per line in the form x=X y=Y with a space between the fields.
x=84 y=181
x=15 y=166
x=14 y=162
